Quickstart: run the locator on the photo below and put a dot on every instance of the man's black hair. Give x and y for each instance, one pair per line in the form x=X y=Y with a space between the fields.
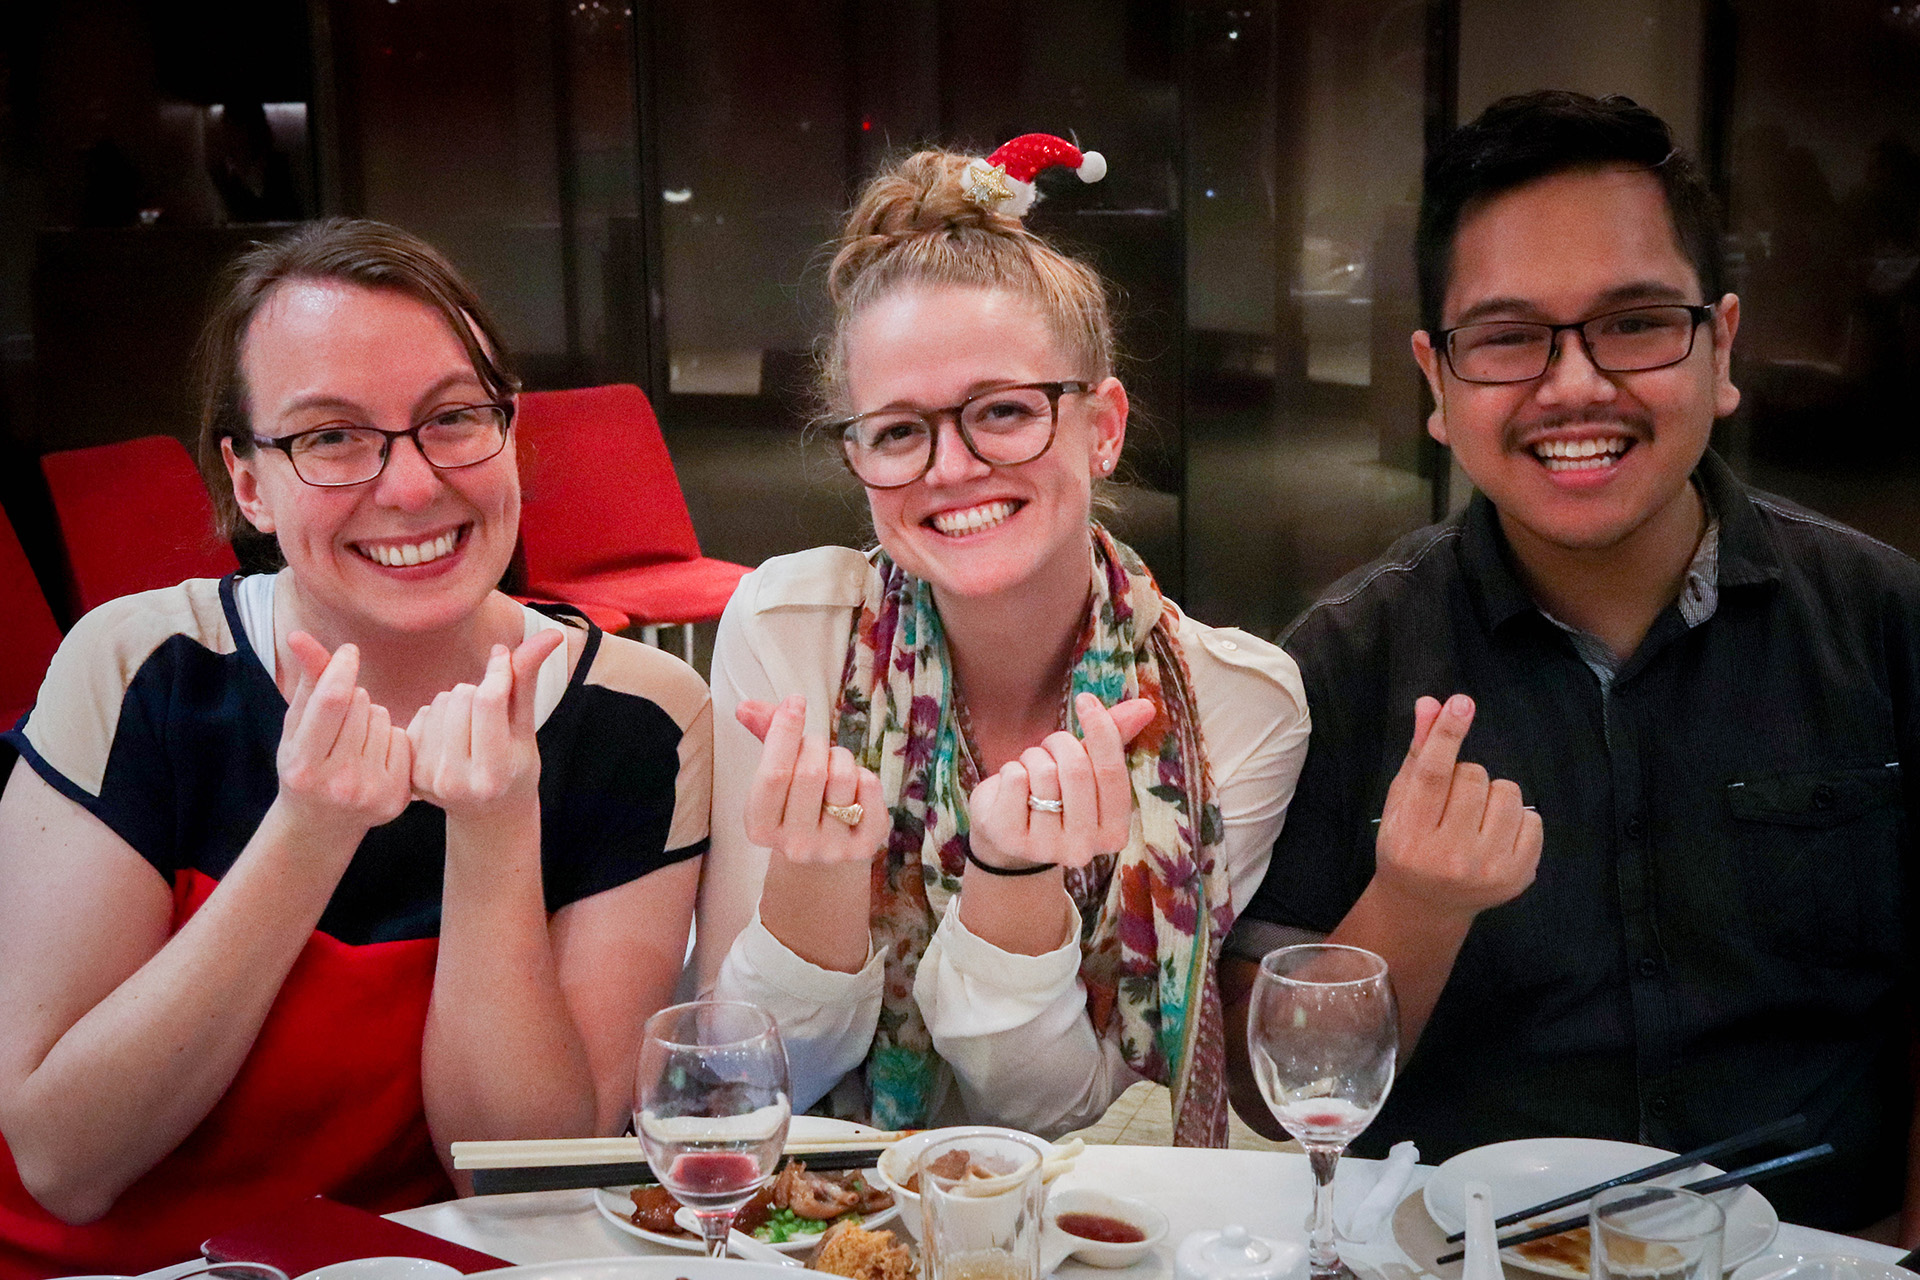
x=1536 y=135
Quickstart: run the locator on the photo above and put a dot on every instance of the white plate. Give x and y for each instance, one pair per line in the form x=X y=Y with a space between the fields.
x=616 y=1206
x=1778 y=1260
x=1530 y=1170
x=645 y=1269
x=385 y=1269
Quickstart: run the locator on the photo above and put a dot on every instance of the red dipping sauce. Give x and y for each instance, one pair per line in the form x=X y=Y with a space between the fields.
x=1098 y=1226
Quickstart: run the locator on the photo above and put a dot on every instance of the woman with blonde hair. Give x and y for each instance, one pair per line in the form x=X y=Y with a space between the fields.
x=986 y=801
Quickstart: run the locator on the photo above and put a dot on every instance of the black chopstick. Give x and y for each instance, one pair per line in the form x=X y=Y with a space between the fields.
x=1673 y=1164
x=623 y=1173
x=1706 y=1186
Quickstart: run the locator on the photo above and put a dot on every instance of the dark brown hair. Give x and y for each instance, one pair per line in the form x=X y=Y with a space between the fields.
x=373 y=255
x=915 y=225
x=1536 y=135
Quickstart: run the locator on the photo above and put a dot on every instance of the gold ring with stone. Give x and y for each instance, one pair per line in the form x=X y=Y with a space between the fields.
x=847 y=813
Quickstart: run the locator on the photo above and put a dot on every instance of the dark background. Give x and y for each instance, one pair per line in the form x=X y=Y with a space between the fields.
x=640 y=192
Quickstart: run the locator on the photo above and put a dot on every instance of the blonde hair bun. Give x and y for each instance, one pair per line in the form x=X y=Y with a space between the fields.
x=916 y=225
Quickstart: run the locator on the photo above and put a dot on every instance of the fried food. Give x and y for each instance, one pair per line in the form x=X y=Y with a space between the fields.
x=810 y=1195
x=858 y=1254
x=653 y=1210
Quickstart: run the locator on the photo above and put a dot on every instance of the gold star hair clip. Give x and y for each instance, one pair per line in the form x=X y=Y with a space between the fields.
x=987 y=183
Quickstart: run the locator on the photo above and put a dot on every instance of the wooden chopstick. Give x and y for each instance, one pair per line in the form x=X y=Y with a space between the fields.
x=529 y=1153
x=1673 y=1164
x=546 y=1152
x=503 y=1180
x=1706 y=1186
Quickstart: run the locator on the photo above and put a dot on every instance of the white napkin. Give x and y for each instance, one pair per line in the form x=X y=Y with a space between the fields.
x=1363 y=1205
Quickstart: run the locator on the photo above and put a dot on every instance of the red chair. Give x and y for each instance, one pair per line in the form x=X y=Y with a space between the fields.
x=32 y=634
x=603 y=524
x=134 y=516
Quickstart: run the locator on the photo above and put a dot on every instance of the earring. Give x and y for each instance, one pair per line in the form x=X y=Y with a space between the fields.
x=1106 y=465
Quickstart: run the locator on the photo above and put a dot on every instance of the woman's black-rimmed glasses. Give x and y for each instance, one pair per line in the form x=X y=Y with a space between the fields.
x=1630 y=341
x=340 y=454
x=1002 y=427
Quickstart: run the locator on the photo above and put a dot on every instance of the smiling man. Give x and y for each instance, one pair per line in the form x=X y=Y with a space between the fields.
x=1711 y=696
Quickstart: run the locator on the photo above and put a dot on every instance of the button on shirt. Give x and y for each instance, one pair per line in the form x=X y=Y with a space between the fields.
x=1720 y=930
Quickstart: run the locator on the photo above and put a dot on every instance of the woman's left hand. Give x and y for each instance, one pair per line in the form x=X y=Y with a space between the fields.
x=1086 y=777
x=473 y=745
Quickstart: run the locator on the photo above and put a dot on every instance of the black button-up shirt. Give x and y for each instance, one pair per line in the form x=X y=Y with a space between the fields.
x=1721 y=929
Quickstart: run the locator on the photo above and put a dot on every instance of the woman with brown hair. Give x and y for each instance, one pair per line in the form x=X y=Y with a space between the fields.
x=986 y=801
x=304 y=875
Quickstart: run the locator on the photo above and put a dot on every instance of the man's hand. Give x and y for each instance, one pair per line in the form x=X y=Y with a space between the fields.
x=1451 y=838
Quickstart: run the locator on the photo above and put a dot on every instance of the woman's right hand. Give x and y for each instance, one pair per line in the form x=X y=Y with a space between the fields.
x=344 y=766
x=799 y=775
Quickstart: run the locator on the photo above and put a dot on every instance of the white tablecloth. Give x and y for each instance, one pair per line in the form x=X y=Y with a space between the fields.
x=1269 y=1193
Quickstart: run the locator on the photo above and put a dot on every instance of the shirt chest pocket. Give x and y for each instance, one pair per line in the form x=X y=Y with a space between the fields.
x=1819 y=860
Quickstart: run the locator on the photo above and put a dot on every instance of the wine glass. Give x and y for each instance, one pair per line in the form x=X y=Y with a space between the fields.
x=712 y=1107
x=1323 y=1034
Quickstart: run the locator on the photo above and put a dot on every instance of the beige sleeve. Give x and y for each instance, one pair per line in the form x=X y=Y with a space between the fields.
x=784 y=632
x=677 y=689
x=1253 y=718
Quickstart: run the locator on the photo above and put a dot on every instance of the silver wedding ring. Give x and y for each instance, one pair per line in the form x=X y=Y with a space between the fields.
x=847 y=813
x=1046 y=806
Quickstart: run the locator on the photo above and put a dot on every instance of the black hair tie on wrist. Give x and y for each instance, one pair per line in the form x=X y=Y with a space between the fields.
x=1033 y=870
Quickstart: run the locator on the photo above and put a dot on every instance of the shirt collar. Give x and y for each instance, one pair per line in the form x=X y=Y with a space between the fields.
x=1745 y=547
x=1748 y=554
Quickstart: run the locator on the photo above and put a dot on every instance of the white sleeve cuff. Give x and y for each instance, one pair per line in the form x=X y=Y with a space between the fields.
x=827 y=1018
x=982 y=989
x=778 y=967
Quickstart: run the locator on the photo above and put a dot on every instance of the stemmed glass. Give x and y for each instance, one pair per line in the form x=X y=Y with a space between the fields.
x=1323 y=1034
x=712 y=1107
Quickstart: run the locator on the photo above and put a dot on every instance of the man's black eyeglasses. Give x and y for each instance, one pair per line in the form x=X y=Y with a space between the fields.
x=1630 y=341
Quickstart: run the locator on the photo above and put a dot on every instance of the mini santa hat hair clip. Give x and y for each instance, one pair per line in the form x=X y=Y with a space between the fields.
x=1003 y=182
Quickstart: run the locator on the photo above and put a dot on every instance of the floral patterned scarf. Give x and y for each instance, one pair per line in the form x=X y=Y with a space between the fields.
x=1151 y=915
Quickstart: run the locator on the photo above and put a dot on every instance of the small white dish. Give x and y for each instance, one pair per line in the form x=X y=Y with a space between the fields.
x=1528 y=1171
x=897 y=1163
x=1058 y=1244
x=384 y=1269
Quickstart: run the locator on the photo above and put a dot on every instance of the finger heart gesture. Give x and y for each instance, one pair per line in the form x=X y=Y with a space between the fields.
x=810 y=802
x=473 y=745
x=341 y=762
x=1450 y=836
x=1064 y=801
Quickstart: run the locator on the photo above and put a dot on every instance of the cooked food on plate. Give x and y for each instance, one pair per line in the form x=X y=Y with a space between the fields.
x=960 y=1164
x=795 y=1205
x=858 y=1254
